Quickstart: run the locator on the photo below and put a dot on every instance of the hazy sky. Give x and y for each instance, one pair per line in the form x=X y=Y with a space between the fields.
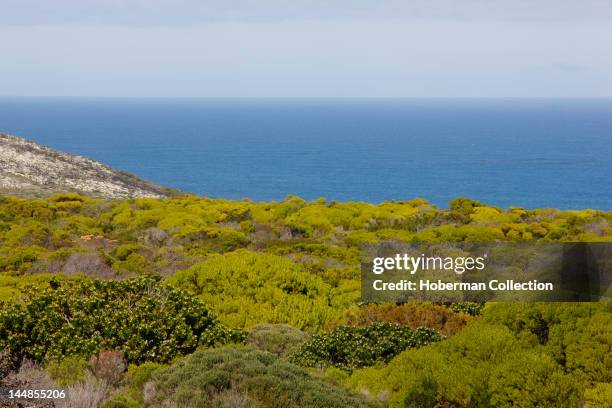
x=294 y=48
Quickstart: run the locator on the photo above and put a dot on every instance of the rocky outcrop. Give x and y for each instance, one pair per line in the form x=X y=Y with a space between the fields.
x=28 y=169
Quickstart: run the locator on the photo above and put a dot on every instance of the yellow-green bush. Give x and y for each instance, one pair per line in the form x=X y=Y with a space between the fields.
x=246 y=288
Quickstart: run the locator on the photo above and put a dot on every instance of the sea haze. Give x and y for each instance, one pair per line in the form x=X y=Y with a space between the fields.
x=530 y=153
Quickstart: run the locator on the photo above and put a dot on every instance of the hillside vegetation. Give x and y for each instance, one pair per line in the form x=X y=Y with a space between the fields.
x=208 y=302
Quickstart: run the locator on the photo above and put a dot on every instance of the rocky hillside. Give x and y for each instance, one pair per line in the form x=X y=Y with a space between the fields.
x=28 y=169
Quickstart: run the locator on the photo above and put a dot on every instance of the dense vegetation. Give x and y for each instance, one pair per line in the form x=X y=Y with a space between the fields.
x=148 y=321
x=245 y=287
x=349 y=347
x=515 y=355
x=243 y=377
x=447 y=320
x=114 y=299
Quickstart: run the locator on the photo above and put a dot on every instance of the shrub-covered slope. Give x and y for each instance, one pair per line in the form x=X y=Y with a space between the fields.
x=89 y=283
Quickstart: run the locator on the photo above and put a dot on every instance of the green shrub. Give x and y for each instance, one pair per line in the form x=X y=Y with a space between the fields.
x=600 y=396
x=275 y=338
x=485 y=365
x=146 y=320
x=135 y=264
x=586 y=347
x=138 y=375
x=577 y=335
x=247 y=288
x=350 y=347
x=121 y=401
x=122 y=252
x=305 y=274
x=20 y=260
x=527 y=379
x=68 y=371
x=210 y=378
x=424 y=394
x=469 y=308
x=140 y=229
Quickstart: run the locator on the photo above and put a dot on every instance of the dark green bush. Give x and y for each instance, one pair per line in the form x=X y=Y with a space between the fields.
x=210 y=378
x=469 y=308
x=350 y=347
x=146 y=320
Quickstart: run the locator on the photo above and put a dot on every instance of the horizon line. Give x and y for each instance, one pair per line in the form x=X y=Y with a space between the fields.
x=304 y=97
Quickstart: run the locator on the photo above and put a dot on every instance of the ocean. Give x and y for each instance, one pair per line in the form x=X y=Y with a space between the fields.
x=504 y=152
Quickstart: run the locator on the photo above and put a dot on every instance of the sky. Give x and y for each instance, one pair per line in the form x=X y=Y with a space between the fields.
x=306 y=48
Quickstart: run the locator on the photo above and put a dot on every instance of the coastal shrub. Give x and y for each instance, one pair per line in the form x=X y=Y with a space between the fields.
x=288 y=206
x=349 y=347
x=139 y=375
x=344 y=255
x=134 y=386
x=121 y=401
x=134 y=264
x=587 y=347
x=68 y=371
x=145 y=319
x=412 y=315
x=461 y=208
x=32 y=229
x=215 y=377
x=275 y=338
x=469 y=308
x=29 y=232
x=13 y=288
x=499 y=360
x=20 y=260
x=305 y=273
x=215 y=239
x=600 y=395
x=577 y=335
x=13 y=208
x=315 y=220
x=247 y=288
x=70 y=202
x=122 y=252
x=532 y=379
x=460 y=233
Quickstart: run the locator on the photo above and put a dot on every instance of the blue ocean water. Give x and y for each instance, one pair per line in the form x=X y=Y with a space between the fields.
x=530 y=153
